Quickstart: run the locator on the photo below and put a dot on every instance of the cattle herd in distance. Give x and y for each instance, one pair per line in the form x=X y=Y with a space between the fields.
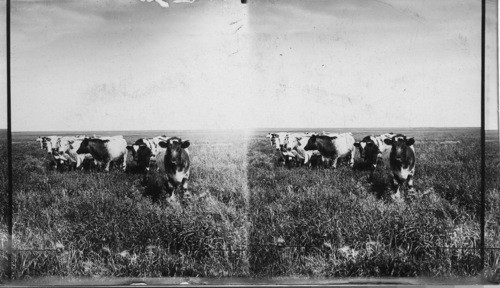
x=310 y=148
x=169 y=156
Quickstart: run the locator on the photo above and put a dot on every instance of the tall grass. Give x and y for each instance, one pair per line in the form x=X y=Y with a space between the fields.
x=321 y=222
x=101 y=224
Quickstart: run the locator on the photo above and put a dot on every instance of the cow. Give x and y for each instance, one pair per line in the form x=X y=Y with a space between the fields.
x=67 y=147
x=105 y=150
x=278 y=141
x=372 y=149
x=49 y=144
x=402 y=161
x=295 y=144
x=141 y=153
x=341 y=146
x=176 y=164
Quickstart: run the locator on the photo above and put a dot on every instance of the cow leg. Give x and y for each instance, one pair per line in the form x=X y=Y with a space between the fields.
x=410 y=183
x=351 y=159
x=334 y=162
x=106 y=168
x=124 y=163
x=372 y=170
x=397 y=184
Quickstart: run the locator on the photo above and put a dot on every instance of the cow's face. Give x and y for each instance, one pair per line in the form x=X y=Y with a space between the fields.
x=368 y=150
x=84 y=147
x=174 y=148
x=140 y=153
x=399 y=144
x=62 y=146
x=311 y=144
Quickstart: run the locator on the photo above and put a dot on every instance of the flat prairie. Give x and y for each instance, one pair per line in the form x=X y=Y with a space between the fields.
x=248 y=216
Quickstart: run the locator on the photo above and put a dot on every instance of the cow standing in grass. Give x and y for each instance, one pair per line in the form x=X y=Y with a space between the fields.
x=140 y=155
x=372 y=149
x=295 y=143
x=67 y=147
x=278 y=141
x=105 y=150
x=402 y=161
x=341 y=146
x=176 y=164
x=49 y=144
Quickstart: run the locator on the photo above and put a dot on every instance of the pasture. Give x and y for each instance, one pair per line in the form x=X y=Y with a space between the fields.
x=250 y=217
x=324 y=223
x=87 y=223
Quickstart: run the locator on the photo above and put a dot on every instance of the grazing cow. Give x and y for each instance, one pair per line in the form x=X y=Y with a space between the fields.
x=296 y=143
x=68 y=146
x=278 y=141
x=336 y=147
x=105 y=150
x=372 y=149
x=402 y=161
x=176 y=163
x=141 y=153
x=49 y=144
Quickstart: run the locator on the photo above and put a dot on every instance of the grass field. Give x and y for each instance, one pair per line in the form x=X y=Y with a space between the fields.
x=101 y=225
x=249 y=217
x=337 y=223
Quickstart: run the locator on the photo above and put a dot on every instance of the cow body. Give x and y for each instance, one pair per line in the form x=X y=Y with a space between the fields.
x=68 y=146
x=105 y=150
x=336 y=147
x=49 y=144
x=402 y=161
x=296 y=144
x=176 y=163
x=278 y=142
x=373 y=148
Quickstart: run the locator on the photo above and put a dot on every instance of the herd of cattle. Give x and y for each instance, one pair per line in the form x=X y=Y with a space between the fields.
x=328 y=148
x=167 y=155
x=170 y=157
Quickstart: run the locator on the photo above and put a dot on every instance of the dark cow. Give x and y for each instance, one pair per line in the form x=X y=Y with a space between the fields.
x=140 y=155
x=105 y=150
x=372 y=149
x=175 y=164
x=341 y=146
x=402 y=161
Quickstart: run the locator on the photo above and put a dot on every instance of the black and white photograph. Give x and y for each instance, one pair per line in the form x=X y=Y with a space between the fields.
x=249 y=142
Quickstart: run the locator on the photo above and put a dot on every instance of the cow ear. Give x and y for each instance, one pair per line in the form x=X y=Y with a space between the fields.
x=129 y=147
x=357 y=144
x=185 y=144
x=410 y=142
x=334 y=137
x=163 y=144
x=388 y=141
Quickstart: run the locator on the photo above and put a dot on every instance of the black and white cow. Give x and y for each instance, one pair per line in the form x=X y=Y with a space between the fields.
x=402 y=161
x=67 y=147
x=139 y=155
x=341 y=146
x=278 y=142
x=373 y=148
x=176 y=164
x=105 y=150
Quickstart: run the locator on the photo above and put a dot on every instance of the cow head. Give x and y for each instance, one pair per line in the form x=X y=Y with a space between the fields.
x=140 y=153
x=84 y=147
x=174 y=148
x=368 y=150
x=311 y=144
x=400 y=144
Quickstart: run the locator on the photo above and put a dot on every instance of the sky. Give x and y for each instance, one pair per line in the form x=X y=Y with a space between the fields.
x=219 y=64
